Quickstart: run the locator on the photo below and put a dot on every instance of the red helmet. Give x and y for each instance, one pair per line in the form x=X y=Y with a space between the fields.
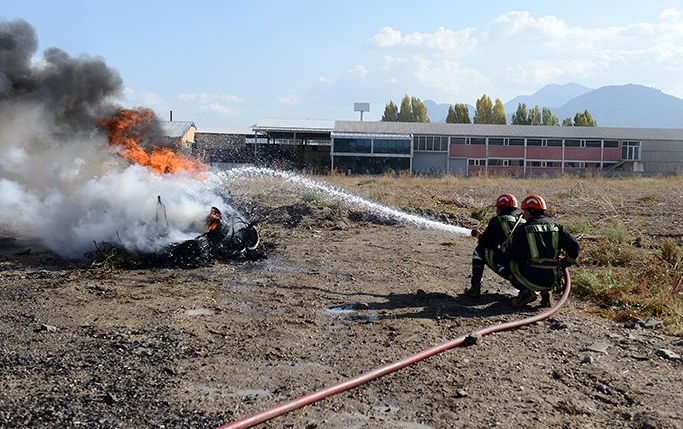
x=506 y=200
x=535 y=202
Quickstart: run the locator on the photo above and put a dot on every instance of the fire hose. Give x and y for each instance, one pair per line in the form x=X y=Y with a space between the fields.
x=270 y=413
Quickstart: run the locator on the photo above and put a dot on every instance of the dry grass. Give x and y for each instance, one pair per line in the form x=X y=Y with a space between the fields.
x=630 y=229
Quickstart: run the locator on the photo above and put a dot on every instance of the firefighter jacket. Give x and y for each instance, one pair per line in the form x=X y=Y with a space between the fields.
x=497 y=231
x=535 y=253
x=493 y=239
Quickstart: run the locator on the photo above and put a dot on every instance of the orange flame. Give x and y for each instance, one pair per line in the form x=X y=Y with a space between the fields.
x=133 y=134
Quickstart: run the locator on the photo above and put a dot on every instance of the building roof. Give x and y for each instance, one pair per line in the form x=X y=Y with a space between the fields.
x=176 y=129
x=490 y=130
x=242 y=131
x=316 y=125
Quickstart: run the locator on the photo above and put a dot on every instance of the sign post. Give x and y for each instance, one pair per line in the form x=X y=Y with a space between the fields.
x=361 y=107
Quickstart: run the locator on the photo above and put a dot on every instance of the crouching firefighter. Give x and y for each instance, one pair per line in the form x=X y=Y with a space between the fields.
x=490 y=250
x=539 y=250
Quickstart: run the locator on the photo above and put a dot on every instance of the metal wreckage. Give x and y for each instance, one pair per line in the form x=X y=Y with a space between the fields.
x=227 y=236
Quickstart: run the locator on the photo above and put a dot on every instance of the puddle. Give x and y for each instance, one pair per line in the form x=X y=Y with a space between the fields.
x=345 y=309
x=200 y=312
x=366 y=317
x=275 y=266
x=351 y=312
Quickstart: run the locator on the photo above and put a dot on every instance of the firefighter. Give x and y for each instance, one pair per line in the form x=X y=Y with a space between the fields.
x=539 y=250
x=492 y=241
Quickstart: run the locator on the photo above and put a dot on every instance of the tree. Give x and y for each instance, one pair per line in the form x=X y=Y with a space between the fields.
x=458 y=114
x=499 y=112
x=484 y=111
x=462 y=114
x=548 y=118
x=419 y=110
x=519 y=117
x=390 y=112
x=405 y=114
x=567 y=122
x=534 y=117
x=412 y=110
x=584 y=120
x=450 y=117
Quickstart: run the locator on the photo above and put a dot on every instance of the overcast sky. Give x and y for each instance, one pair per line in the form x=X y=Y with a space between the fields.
x=226 y=64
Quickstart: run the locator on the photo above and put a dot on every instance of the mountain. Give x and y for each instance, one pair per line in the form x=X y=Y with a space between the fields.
x=552 y=95
x=439 y=112
x=436 y=112
x=628 y=105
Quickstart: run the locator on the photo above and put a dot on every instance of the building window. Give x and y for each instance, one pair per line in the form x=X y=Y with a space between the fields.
x=477 y=140
x=476 y=162
x=352 y=145
x=444 y=144
x=554 y=142
x=391 y=146
x=533 y=142
x=371 y=164
x=430 y=143
x=499 y=162
x=630 y=151
x=611 y=143
x=495 y=141
x=545 y=164
x=516 y=142
x=572 y=143
x=593 y=143
x=458 y=140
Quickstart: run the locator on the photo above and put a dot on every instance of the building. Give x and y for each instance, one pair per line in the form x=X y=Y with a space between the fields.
x=362 y=147
x=224 y=148
x=180 y=131
x=517 y=150
x=294 y=143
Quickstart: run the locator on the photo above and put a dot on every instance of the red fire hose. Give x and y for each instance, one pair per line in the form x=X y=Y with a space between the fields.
x=268 y=414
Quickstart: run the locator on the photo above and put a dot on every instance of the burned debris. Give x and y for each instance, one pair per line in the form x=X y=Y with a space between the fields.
x=226 y=237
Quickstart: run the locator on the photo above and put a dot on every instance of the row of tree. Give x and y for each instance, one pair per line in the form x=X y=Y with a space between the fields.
x=412 y=110
x=486 y=112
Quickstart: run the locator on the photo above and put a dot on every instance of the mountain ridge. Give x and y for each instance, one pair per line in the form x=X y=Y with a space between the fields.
x=629 y=105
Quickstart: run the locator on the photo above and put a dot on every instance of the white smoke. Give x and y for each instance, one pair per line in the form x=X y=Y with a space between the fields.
x=72 y=192
x=59 y=181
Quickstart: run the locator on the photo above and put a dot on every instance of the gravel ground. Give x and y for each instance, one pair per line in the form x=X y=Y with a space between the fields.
x=339 y=294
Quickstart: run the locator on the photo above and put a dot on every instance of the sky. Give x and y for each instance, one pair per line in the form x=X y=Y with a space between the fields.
x=231 y=64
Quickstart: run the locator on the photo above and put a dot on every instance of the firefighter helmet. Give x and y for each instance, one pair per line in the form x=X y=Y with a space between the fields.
x=534 y=202
x=506 y=200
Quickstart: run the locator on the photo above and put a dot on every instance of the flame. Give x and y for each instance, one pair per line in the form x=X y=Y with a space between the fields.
x=134 y=135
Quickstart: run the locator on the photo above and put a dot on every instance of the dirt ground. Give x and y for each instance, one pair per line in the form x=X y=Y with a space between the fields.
x=340 y=293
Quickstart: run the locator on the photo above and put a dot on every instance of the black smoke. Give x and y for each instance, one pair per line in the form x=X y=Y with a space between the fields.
x=72 y=92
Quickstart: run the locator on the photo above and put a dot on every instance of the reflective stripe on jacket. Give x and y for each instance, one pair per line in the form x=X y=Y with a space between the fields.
x=535 y=251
